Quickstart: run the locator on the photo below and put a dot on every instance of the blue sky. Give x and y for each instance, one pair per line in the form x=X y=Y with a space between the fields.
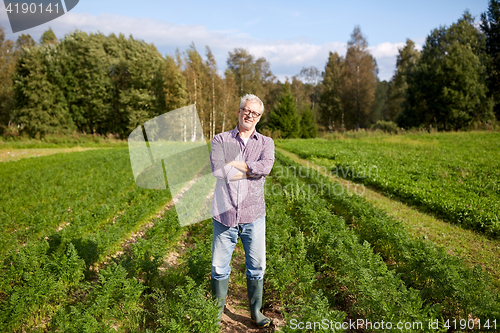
x=289 y=34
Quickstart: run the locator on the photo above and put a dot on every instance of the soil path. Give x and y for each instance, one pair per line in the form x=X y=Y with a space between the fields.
x=14 y=154
x=236 y=317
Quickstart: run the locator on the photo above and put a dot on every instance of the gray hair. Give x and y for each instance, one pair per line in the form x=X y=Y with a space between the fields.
x=251 y=98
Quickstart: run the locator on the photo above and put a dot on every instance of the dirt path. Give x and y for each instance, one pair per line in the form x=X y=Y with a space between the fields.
x=11 y=154
x=236 y=317
x=473 y=247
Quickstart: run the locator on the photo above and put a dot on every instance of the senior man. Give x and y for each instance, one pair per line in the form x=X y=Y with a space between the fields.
x=241 y=159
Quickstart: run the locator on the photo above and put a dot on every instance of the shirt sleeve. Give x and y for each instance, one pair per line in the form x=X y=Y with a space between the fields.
x=218 y=154
x=263 y=166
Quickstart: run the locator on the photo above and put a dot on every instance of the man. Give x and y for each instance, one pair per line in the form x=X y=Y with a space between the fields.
x=241 y=159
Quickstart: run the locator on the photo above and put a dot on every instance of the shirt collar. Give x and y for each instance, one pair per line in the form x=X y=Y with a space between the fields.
x=236 y=131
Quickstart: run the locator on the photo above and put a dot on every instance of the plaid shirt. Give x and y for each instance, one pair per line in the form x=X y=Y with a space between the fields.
x=240 y=201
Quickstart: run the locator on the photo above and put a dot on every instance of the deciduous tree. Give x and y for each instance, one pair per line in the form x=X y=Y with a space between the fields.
x=360 y=81
x=332 y=87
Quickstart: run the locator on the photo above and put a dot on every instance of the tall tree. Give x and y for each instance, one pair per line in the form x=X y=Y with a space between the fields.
x=252 y=76
x=198 y=88
x=312 y=77
x=41 y=105
x=8 y=59
x=24 y=41
x=331 y=108
x=447 y=89
x=490 y=25
x=175 y=93
x=380 y=104
x=308 y=127
x=87 y=84
x=284 y=117
x=230 y=102
x=48 y=37
x=360 y=75
x=407 y=58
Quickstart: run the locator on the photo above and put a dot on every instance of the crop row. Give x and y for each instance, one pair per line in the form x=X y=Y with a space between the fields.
x=358 y=280
x=444 y=281
x=457 y=180
x=106 y=207
x=84 y=190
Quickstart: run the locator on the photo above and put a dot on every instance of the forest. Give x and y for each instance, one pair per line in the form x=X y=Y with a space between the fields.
x=109 y=85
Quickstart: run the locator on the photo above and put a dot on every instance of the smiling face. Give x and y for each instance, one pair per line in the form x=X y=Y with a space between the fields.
x=246 y=121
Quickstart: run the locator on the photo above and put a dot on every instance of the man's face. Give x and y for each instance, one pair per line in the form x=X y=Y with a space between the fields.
x=247 y=121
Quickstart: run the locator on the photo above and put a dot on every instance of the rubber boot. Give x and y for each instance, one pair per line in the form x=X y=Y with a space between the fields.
x=254 y=288
x=219 y=290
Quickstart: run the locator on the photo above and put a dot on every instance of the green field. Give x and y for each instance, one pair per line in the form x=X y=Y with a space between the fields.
x=86 y=250
x=455 y=176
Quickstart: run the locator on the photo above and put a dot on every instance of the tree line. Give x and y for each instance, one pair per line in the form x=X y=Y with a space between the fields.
x=452 y=83
x=92 y=83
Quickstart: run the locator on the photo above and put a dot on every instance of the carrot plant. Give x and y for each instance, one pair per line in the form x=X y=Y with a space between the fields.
x=444 y=280
x=363 y=284
x=455 y=176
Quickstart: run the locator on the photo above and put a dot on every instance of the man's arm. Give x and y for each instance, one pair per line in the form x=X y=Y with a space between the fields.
x=240 y=165
x=218 y=154
x=263 y=166
x=244 y=170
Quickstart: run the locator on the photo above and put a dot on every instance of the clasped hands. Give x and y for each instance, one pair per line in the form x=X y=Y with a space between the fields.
x=243 y=170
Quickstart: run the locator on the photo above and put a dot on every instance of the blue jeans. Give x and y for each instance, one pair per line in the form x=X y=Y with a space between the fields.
x=253 y=237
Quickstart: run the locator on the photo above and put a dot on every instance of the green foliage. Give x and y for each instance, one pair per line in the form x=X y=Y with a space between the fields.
x=88 y=86
x=380 y=109
x=386 y=126
x=308 y=127
x=186 y=309
x=443 y=280
x=360 y=81
x=93 y=84
x=7 y=65
x=452 y=176
x=48 y=37
x=283 y=117
x=334 y=251
x=251 y=75
x=447 y=89
x=24 y=41
x=407 y=58
x=111 y=301
x=41 y=104
x=34 y=282
x=316 y=310
x=174 y=90
x=330 y=100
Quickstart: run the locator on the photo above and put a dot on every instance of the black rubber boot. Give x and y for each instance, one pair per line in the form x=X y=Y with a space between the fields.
x=219 y=290
x=254 y=288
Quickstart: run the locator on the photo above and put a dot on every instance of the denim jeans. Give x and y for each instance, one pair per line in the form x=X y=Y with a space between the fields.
x=253 y=237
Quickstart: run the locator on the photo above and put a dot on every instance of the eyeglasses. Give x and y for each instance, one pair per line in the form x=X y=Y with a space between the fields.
x=252 y=113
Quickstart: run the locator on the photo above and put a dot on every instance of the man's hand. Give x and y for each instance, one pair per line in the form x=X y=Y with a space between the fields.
x=241 y=175
x=240 y=165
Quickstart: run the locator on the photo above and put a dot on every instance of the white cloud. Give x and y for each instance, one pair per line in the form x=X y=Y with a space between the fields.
x=386 y=49
x=286 y=57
